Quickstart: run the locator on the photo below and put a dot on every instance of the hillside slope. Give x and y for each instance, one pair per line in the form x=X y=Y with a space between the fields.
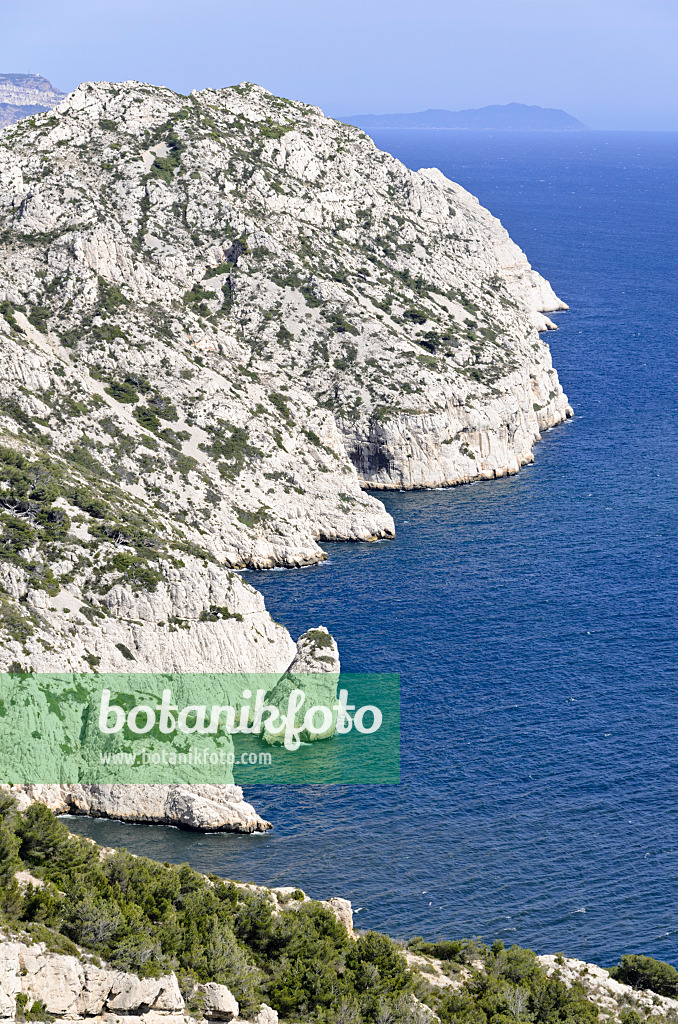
x=223 y=316
x=92 y=933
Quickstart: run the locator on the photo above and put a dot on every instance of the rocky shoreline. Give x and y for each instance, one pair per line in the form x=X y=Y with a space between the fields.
x=208 y=808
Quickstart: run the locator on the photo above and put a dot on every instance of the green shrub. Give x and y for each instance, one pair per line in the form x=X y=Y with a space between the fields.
x=39 y=316
x=217 y=612
x=646 y=972
x=110 y=296
x=279 y=402
x=7 y=311
x=122 y=392
x=147 y=418
x=125 y=651
x=442 y=950
x=415 y=316
x=135 y=571
x=163 y=167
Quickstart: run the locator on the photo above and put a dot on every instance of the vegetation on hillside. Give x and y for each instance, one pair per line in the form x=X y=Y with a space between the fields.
x=293 y=953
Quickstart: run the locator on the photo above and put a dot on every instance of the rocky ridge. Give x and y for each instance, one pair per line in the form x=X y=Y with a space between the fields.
x=40 y=984
x=202 y=808
x=612 y=998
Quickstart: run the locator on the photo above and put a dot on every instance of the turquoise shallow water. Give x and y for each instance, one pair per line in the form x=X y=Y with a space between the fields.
x=533 y=619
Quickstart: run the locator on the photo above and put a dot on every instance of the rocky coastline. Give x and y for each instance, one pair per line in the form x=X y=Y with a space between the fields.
x=222 y=318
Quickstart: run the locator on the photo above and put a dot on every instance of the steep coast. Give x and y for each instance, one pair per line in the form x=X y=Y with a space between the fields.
x=223 y=316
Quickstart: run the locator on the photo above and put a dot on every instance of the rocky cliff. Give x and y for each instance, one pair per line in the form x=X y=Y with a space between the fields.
x=36 y=984
x=23 y=95
x=222 y=317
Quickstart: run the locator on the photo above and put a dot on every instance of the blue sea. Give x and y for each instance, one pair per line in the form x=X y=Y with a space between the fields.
x=532 y=619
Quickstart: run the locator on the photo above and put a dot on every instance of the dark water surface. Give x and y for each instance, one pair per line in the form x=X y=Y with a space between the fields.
x=533 y=619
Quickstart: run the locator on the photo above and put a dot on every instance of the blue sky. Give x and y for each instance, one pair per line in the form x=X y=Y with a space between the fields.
x=612 y=63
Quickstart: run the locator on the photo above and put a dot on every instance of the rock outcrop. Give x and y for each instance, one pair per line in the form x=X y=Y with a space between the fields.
x=207 y=808
x=223 y=316
x=72 y=988
x=612 y=998
x=609 y=995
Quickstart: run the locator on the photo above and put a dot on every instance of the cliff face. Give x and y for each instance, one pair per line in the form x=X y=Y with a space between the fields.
x=223 y=316
x=23 y=95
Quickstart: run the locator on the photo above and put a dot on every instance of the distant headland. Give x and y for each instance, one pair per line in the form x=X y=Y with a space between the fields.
x=22 y=95
x=506 y=117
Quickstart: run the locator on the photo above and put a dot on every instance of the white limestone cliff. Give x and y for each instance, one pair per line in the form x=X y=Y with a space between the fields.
x=222 y=318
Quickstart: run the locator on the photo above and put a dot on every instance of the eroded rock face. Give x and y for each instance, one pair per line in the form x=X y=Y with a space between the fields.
x=314 y=671
x=219 y=1003
x=223 y=317
x=23 y=95
x=610 y=995
x=70 y=988
x=343 y=910
x=210 y=808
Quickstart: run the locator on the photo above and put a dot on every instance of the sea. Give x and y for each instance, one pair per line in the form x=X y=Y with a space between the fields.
x=532 y=619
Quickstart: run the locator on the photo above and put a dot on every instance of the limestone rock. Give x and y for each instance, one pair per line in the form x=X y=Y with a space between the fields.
x=266 y=1015
x=314 y=671
x=129 y=994
x=222 y=318
x=344 y=912
x=211 y=808
x=23 y=95
x=319 y=319
x=610 y=995
x=219 y=1003
x=73 y=989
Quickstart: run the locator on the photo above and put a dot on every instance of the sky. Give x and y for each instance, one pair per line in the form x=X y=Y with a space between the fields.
x=611 y=63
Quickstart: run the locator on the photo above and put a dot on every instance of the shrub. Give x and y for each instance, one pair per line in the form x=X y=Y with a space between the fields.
x=415 y=316
x=646 y=972
x=125 y=651
x=39 y=316
x=123 y=392
x=217 y=612
x=441 y=950
x=147 y=418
